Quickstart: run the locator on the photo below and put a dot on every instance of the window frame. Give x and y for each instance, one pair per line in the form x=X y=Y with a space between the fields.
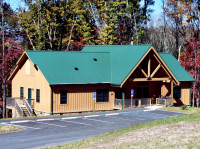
x=38 y=96
x=105 y=95
x=177 y=91
x=21 y=92
x=62 y=92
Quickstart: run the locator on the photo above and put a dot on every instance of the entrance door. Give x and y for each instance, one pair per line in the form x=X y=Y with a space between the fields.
x=29 y=96
x=142 y=92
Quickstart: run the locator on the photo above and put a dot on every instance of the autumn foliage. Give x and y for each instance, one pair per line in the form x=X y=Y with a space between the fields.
x=191 y=62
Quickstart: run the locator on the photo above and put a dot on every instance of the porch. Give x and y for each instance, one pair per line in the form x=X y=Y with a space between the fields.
x=19 y=107
x=141 y=103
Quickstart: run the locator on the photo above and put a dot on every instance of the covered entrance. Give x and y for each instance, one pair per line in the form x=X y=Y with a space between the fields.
x=151 y=80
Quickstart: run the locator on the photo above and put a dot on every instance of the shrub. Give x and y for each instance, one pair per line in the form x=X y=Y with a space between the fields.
x=183 y=107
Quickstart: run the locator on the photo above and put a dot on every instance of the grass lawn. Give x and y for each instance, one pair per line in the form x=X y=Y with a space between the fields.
x=188 y=110
x=175 y=132
x=6 y=129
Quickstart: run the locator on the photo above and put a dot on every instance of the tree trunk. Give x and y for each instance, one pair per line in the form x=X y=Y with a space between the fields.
x=30 y=41
x=3 y=68
x=73 y=24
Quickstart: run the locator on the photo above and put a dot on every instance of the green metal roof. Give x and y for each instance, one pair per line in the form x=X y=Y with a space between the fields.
x=179 y=72
x=123 y=58
x=58 y=67
x=114 y=63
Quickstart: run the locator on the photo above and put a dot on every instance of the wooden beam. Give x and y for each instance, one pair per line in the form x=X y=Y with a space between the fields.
x=154 y=72
x=162 y=65
x=172 y=91
x=136 y=66
x=149 y=65
x=143 y=72
x=156 y=55
x=152 y=79
x=165 y=71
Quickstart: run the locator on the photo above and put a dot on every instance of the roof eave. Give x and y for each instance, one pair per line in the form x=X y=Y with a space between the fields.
x=52 y=84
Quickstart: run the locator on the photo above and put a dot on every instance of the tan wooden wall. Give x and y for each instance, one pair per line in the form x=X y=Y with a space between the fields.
x=165 y=89
x=80 y=98
x=185 y=93
x=29 y=77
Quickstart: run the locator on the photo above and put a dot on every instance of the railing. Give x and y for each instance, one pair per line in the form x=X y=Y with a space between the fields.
x=28 y=106
x=118 y=103
x=144 y=102
x=19 y=109
x=10 y=102
x=164 y=101
x=132 y=103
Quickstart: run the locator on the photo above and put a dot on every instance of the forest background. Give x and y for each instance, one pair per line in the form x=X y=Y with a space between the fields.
x=70 y=24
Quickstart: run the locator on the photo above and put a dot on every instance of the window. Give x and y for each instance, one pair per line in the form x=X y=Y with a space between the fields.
x=21 y=92
x=177 y=92
x=37 y=95
x=63 y=97
x=102 y=96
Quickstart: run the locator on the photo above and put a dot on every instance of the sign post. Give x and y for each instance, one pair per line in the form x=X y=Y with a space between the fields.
x=132 y=93
x=94 y=98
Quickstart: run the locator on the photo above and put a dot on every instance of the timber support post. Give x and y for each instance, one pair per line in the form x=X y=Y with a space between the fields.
x=172 y=92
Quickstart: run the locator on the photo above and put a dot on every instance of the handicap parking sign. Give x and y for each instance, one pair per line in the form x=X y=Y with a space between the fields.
x=132 y=92
x=94 y=95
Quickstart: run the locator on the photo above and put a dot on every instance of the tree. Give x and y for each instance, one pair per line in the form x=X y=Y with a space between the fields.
x=57 y=25
x=9 y=30
x=190 y=60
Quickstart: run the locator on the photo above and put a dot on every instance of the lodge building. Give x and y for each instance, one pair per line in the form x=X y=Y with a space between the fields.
x=91 y=79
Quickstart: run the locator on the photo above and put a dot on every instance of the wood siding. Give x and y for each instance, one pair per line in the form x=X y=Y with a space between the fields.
x=80 y=98
x=165 y=89
x=185 y=93
x=30 y=77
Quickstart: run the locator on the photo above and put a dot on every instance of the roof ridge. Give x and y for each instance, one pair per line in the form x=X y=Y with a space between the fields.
x=66 y=51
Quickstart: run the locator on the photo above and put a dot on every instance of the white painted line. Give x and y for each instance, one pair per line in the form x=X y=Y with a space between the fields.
x=77 y=122
x=15 y=122
x=24 y=126
x=111 y=114
x=51 y=124
x=91 y=116
x=99 y=120
x=149 y=110
x=69 y=118
x=3 y=123
x=139 y=118
x=50 y=119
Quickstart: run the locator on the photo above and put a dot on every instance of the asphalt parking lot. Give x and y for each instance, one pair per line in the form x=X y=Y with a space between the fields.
x=44 y=132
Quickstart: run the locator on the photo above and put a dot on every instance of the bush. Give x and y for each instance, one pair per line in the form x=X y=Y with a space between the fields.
x=183 y=107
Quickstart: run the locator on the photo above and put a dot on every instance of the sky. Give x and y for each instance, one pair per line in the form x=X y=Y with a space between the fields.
x=157 y=6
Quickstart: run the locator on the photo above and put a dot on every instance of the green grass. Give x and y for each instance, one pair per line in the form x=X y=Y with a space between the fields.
x=188 y=110
x=109 y=137
x=6 y=129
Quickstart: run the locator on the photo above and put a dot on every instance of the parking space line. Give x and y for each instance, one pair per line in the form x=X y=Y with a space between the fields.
x=99 y=120
x=25 y=121
x=91 y=116
x=23 y=126
x=159 y=115
x=139 y=118
x=51 y=124
x=50 y=119
x=121 y=118
x=76 y=122
x=69 y=118
x=111 y=114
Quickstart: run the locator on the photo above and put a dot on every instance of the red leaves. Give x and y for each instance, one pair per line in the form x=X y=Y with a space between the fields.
x=12 y=53
x=188 y=61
